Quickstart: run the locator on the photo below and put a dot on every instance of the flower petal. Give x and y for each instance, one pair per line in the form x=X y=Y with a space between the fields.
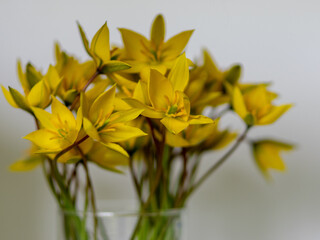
x=199 y=119
x=133 y=43
x=238 y=103
x=176 y=140
x=44 y=117
x=46 y=139
x=148 y=111
x=175 y=45
x=174 y=125
x=179 y=74
x=90 y=129
x=116 y=147
x=120 y=133
x=100 y=45
x=39 y=96
x=8 y=97
x=158 y=30
x=160 y=91
x=65 y=115
x=125 y=116
x=103 y=105
x=275 y=113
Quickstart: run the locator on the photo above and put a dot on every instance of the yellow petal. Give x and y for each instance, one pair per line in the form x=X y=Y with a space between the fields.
x=26 y=164
x=141 y=92
x=79 y=119
x=44 y=118
x=107 y=158
x=175 y=45
x=96 y=90
x=125 y=116
x=133 y=43
x=174 y=125
x=179 y=74
x=120 y=133
x=122 y=81
x=39 y=95
x=100 y=45
x=8 y=97
x=22 y=78
x=199 y=119
x=103 y=105
x=90 y=129
x=238 y=103
x=158 y=30
x=160 y=91
x=65 y=115
x=224 y=139
x=209 y=65
x=148 y=111
x=46 y=139
x=120 y=105
x=176 y=140
x=53 y=79
x=116 y=147
x=268 y=157
x=275 y=113
x=257 y=98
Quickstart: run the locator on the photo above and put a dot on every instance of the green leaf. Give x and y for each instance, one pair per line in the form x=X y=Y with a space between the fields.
x=19 y=100
x=114 y=66
x=233 y=74
x=33 y=76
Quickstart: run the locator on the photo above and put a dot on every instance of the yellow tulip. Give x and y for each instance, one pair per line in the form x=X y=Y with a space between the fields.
x=59 y=129
x=166 y=97
x=37 y=88
x=156 y=53
x=107 y=158
x=99 y=50
x=267 y=154
x=106 y=127
x=206 y=137
x=255 y=106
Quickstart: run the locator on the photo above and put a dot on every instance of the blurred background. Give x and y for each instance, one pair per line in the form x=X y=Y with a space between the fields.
x=275 y=40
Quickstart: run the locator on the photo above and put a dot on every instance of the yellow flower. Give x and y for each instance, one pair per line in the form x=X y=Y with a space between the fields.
x=59 y=129
x=99 y=50
x=255 y=106
x=166 y=97
x=156 y=53
x=37 y=88
x=267 y=154
x=207 y=137
x=107 y=158
x=106 y=127
x=209 y=84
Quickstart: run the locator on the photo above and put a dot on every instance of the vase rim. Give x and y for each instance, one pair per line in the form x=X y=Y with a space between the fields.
x=128 y=213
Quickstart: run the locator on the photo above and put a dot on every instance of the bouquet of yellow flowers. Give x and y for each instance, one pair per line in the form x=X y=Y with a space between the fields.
x=145 y=106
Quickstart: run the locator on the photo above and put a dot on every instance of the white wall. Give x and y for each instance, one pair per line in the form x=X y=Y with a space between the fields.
x=275 y=40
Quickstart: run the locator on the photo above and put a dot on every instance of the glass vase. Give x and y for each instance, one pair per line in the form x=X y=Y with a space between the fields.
x=123 y=225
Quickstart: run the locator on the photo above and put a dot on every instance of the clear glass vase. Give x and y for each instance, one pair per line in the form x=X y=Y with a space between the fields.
x=123 y=225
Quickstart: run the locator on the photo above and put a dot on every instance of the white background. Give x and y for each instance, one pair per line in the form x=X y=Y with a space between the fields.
x=274 y=40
